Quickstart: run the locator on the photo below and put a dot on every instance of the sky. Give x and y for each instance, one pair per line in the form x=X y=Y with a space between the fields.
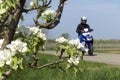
x=103 y=16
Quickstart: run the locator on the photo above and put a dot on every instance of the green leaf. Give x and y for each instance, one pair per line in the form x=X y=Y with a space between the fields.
x=80 y=54
x=68 y=66
x=75 y=70
x=21 y=63
x=1 y=71
x=9 y=3
x=70 y=52
x=17 y=0
x=2 y=11
x=15 y=62
x=43 y=19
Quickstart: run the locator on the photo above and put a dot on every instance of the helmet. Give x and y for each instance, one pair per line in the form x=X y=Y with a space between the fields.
x=83 y=18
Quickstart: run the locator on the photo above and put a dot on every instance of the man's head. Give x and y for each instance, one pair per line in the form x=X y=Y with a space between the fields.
x=83 y=20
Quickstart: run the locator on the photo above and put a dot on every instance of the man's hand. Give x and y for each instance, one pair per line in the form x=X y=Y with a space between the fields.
x=82 y=31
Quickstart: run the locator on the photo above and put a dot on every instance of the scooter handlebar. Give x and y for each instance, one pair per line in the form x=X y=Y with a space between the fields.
x=91 y=30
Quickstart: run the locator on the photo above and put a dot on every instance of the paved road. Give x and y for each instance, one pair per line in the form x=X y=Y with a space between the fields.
x=113 y=59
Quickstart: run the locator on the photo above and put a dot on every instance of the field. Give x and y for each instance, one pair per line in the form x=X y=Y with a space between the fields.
x=89 y=71
x=101 y=46
x=107 y=45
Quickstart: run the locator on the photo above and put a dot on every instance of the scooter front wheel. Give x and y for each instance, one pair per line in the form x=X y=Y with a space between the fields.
x=90 y=52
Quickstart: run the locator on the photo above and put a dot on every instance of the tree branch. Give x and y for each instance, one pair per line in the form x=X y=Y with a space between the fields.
x=54 y=22
x=3 y=22
x=47 y=4
x=38 y=6
x=62 y=51
x=48 y=64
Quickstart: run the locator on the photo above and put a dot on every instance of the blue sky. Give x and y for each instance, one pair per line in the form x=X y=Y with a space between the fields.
x=103 y=16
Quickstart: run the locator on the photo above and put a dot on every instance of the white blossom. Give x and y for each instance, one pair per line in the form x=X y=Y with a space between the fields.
x=34 y=30
x=1 y=1
x=49 y=13
x=86 y=50
x=1 y=42
x=15 y=67
x=2 y=63
x=5 y=57
x=79 y=45
x=7 y=54
x=22 y=47
x=74 y=60
x=37 y=31
x=61 y=40
x=31 y=3
x=4 y=54
x=42 y=36
x=76 y=43
x=9 y=62
x=17 y=45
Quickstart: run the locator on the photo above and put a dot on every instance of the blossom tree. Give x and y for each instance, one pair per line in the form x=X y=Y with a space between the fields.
x=11 y=13
x=19 y=45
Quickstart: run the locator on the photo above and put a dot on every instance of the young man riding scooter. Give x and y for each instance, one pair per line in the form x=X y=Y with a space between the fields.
x=80 y=30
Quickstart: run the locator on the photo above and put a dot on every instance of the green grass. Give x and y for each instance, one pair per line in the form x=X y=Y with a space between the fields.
x=89 y=71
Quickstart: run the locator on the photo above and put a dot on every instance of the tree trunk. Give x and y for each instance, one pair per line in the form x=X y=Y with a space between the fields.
x=13 y=23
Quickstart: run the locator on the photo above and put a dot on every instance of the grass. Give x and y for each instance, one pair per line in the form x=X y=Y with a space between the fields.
x=89 y=71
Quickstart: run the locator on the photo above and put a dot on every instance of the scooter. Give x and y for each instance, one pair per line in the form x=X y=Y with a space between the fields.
x=87 y=41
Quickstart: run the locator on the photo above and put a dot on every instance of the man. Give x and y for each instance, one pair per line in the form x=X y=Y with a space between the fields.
x=81 y=27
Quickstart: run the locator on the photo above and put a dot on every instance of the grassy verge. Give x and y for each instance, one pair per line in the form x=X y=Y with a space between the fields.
x=89 y=71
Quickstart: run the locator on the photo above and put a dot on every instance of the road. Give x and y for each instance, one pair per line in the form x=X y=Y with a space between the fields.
x=107 y=58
